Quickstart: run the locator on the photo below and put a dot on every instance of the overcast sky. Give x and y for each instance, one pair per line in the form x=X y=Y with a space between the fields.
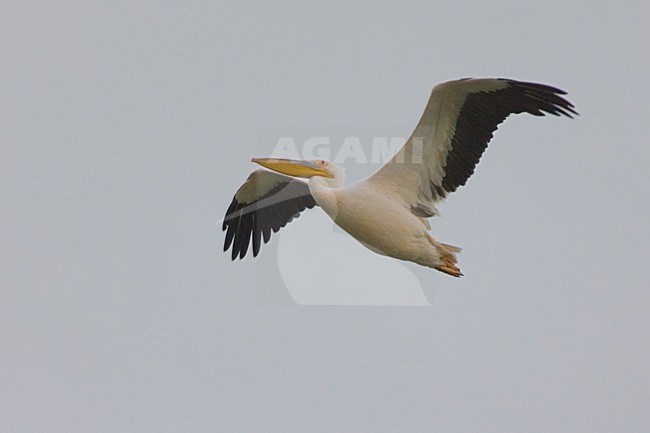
x=126 y=127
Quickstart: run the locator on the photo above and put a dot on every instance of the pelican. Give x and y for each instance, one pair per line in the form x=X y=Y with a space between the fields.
x=388 y=211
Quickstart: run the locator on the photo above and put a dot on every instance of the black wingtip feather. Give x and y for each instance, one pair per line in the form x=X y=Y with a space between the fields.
x=481 y=114
x=253 y=223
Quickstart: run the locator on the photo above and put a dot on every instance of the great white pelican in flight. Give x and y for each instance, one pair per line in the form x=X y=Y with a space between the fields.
x=387 y=212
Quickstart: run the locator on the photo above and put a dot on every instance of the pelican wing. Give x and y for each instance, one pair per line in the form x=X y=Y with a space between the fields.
x=265 y=203
x=457 y=124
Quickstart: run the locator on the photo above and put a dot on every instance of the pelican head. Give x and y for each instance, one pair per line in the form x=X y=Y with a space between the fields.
x=300 y=168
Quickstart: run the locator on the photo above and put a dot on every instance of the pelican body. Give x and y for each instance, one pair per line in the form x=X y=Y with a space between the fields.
x=388 y=211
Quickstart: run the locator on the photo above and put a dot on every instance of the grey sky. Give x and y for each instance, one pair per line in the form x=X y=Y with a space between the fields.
x=127 y=126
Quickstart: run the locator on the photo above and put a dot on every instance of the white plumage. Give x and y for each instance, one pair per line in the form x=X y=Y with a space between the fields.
x=387 y=212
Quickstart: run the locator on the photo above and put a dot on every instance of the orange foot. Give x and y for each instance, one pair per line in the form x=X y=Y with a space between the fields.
x=449 y=268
